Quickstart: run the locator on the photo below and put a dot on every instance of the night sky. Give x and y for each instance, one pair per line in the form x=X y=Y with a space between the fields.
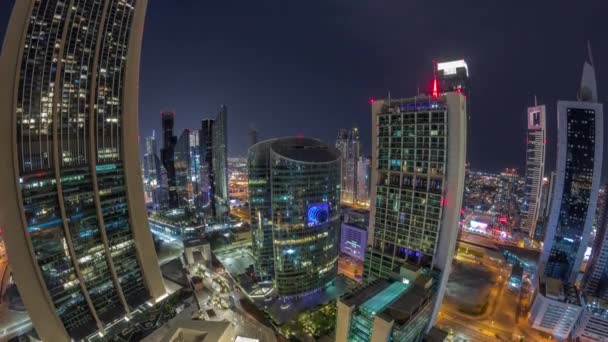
x=310 y=67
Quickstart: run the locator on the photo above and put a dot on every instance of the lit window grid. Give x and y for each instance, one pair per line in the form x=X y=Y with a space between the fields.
x=79 y=203
x=260 y=210
x=411 y=160
x=114 y=208
x=312 y=262
x=577 y=191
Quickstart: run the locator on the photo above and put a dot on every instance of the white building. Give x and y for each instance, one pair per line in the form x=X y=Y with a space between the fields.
x=593 y=325
x=535 y=167
x=556 y=308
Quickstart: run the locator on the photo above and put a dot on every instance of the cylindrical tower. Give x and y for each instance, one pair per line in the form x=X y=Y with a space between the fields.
x=298 y=205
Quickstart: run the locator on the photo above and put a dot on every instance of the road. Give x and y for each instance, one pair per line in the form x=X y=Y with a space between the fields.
x=241 y=213
x=245 y=325
x=499 y=322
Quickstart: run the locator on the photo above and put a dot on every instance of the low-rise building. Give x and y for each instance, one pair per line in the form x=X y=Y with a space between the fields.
x=383 y=310
x=556 y=308
x=593 y=325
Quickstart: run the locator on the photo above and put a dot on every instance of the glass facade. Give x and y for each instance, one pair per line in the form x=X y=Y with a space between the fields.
x=69 y=147
x=167 y=155
x=260 y=209
x=182 y=169
x=577 y=192
x=295 y=194
x=220 y=165
x=411 y=150
x=205 y=140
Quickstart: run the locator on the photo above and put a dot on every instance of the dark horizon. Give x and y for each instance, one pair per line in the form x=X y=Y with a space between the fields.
x=311 y=68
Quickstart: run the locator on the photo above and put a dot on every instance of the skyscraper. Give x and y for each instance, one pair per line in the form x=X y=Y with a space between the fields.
x=578 y=172
x=182 y=169
x=349 y=147
x=152 y=170
x=206 y=146
x=595 y=280
x=295 y=213
x=167 y=155
x=75 y=222
x=363 y=179
x=557 y=304
x=195 y=166
x=418 y=170
x=220 y=165
x=535 y=168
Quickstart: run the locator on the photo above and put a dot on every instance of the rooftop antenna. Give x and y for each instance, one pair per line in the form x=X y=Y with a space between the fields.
x=389 y=96
x=535 y=102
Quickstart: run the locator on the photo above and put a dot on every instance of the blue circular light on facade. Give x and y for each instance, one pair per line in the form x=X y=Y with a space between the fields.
x=317 y=214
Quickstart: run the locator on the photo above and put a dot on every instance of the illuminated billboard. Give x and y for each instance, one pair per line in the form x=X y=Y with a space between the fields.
x=478 y=225
x=317 y=214
x=536 y=118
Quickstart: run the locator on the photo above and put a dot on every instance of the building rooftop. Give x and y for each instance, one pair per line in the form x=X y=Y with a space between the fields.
x=406 y=306
x=305 y=150
x=198 y=331
x=436 y=335
x=384 y=298
x=392 y=301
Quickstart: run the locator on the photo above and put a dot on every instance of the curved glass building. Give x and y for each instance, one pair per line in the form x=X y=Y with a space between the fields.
x=294 y=194
x=73 y=214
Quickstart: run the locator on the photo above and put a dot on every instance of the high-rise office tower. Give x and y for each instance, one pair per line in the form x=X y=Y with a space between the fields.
x=418 y=170
x=220 y=165
x=73 y=213
x=349 y=147
x=342 y=146
x=579 y=167
x=167 y=156
x=206 y=146
x=535 y=168
x=182 y=169
x=595 y=280
x=363 y=178
x=294 y=200
x=152 y=170
x=195 y=166
x=557 y=304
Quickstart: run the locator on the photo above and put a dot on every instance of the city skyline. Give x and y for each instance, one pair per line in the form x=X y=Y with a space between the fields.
x=185 y=180
x=261 y=84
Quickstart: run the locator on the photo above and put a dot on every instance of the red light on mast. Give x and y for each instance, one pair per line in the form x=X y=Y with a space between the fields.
x=435 y=90
x=372 y=100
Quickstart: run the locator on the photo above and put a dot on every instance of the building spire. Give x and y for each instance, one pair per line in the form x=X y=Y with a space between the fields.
x=588 y=89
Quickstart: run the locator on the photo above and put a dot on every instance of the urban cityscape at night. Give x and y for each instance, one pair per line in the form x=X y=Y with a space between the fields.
x=373 y=171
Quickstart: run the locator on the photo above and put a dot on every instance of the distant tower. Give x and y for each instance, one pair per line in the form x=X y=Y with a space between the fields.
x=72 y=207
x=207 y=179
x=181 y=162
x=535 y=168
x=220 y=165
x=167 y=155
x=253 y=137
x=348 y=145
